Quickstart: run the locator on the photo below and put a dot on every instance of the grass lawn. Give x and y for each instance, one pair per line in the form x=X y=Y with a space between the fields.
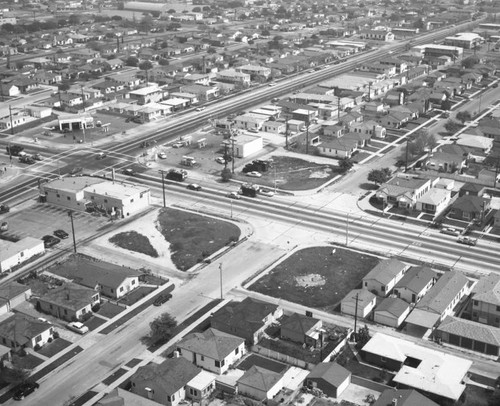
x=110 y=310
x=133 y=241
x=136 y=295
x=476 y=396
x=193 y=237
x=359 y=157
x=95 y=322
x=27 y=362
x=316 y=277
x=51 y=349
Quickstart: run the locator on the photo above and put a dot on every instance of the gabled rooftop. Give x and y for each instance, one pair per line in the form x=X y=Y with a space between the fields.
x=212 y=343
x=386 y=270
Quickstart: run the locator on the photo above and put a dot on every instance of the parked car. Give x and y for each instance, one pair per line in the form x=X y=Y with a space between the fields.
x=4 y=208
x=450 y=231
x=253 y=130
x=162 y=299
x=24 y=389
x=220 y=160
x=128 y=172
x=77 y=327
x=177 y=144
x=194 y=186
x=4 y=226
x=467 y=241
x=36 y=157
x=50 y=241
x=101 y=155
x=233 y=195
x=266 y=192
x=254 y=174
x=61 y=234
x=162 y=155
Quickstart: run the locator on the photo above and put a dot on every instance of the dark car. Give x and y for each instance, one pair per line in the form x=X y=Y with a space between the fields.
x=129 y=172
x=50 y=241
x=194 y=186
x=25 y=389
x=162 y=299
x=61 y=234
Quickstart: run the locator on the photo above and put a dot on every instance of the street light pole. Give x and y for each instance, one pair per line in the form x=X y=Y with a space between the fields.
x=220 y=274
x=163 y=185
x=347 y=230
x=70 y=214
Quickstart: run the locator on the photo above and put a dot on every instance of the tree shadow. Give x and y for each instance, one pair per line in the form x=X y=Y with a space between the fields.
x=368 y=186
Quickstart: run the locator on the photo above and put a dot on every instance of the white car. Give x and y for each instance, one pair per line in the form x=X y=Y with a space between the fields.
x=177 y=144
x=234 y=195
x=200 y=108
x=78 y=327
x=254 y=174
x=220 y=160
x=266 y=192
x=162 y=155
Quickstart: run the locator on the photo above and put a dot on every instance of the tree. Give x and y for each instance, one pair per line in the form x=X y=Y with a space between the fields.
x=163 y=62
x=74 y=19
x=362 y=337
x=345 y=164
x=146 y=66
x=196 y=9
x=226 y=175
x=469 y=62
x=132 y=61
x=211 y=50
x=13 y=375
x=379 y=176
x=452 y=126
x=463 y=116
x=446 y=105
x=162 y=328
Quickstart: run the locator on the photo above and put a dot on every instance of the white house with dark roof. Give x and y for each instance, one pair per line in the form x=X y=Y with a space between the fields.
x=337 y=147
x=250 y=121
x=391 y=312
x=12 y=295
x=434 y=201
x=260 y=383
x=302 y=329
x=172 y=381
x=20 y=331
x=331 y=378
x=403 y=191
x=470 y=335
x=382 y=279
x=484 y=305
x=415 y=283
x=366 y=302
x=212 y=350
x=439 y=301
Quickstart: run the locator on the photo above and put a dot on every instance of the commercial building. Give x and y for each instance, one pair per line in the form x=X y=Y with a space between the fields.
x=466 y=40
x=13 y=254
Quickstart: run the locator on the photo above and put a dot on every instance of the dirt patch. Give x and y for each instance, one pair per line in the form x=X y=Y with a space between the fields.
x=133 y=241
x=336 y=273
x=192 y=237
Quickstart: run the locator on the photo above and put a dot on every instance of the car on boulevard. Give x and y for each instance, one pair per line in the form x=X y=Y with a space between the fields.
x=200 y=108
x=194 y=186
x=4 y=208
x=254 y=174
x=4 y=226
x=450 y=231
x=128 y=172
x=49 y=241
x=266 y=192
x=467 y=241
x=162 y=155
x=77 y=327
x=24 y=389
x=101 y=155
x=177 y=144
x=61 y=234
x=233 y=195
x=164 y=298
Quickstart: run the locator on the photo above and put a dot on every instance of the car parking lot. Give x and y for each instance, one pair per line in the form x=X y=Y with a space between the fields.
x=42 y=219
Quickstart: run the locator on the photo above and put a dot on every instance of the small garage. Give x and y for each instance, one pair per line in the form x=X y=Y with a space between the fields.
x=329 y=377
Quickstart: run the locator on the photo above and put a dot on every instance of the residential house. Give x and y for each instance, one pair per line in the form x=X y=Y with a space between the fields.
x=337 y=148
x=484 y=305
x=377 y=35
x=247 y=319
x=446 y=162
x=472 y=189
x=302 y=329
x=329 y=377
x=490 y=128
x=255 y=70
x=415 y=283
x=369 y=127
x=470 y=208
x=403 y=397
x=9 y=89
x=172 y=382
x=122 y=397
x=361 y=299
x=394 y=119
x=424 y=369
x=403 y=191
x=470 y=335
x=20 y=331
x=439 y=302
x=249 y=121
x=382 y=279
x=391 y=312
x=148 y=94
x=212 y=350
x=260 y=383
x=202 y=93
x=434 y=201
x=13 y=294
x=232 y=76
x=69 y=302
x=335 y=130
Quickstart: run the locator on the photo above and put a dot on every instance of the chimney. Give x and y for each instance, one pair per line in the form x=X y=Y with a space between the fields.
x=394 y=402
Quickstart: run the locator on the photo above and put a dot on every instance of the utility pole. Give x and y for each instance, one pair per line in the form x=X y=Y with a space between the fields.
x=83 y=98
x=406 y=154
x=220 y=275
x=163 y=185
x=70 y=214
x=347 y=230
x=307 y=133
x=356 y=317
x=286 y=131
x=10 y=117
